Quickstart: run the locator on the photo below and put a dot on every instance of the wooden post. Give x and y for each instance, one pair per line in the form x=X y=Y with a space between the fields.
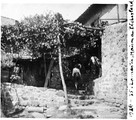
x=61 y=72
x=48 y=74
x=45 y=69
x=9 y=74
x=22 y=74
x=118 y=12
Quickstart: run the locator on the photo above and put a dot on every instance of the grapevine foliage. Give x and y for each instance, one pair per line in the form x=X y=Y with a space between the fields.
x=38 y=34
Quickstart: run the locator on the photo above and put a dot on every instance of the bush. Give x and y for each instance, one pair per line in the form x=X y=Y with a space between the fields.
x=7 y=60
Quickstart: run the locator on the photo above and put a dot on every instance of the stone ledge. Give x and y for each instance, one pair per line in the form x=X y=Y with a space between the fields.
x=15 y=96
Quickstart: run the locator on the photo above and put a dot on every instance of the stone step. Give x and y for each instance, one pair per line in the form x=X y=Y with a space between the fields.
x=82 y=96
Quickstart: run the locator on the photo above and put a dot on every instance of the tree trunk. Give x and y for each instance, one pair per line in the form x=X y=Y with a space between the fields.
x=48 y=74
x=22 y=74
x=45 y=69
x=61 y=72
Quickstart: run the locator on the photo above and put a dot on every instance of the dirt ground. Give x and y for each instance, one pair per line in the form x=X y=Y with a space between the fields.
x=34 y=102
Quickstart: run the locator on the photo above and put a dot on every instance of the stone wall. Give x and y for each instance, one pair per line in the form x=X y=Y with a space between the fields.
x=14 y=97
x=112 y=86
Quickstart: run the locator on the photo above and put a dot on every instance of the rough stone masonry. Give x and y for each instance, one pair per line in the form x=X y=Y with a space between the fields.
x=112 y=86
x=15 y=96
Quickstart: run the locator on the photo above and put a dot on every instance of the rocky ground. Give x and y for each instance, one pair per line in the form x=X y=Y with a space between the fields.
x=20 y=101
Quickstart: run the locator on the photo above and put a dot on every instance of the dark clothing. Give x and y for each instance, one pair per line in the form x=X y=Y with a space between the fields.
x=77 y=77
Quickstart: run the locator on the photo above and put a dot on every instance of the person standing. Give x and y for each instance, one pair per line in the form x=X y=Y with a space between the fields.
x=76 y=74
x=95 y=66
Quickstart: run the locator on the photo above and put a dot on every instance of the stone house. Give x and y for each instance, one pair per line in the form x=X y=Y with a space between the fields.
x=112 y=85
x=7 y=21
x=5 y=71
x=98 y=14
x=30 y=70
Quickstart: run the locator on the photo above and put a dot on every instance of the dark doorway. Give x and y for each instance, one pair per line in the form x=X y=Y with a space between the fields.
x=89 y=70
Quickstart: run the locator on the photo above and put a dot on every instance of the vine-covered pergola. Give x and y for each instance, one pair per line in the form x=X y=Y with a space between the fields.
x=50 y=35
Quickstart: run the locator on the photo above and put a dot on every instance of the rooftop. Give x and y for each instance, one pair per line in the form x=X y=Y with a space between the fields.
x=92 y=11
